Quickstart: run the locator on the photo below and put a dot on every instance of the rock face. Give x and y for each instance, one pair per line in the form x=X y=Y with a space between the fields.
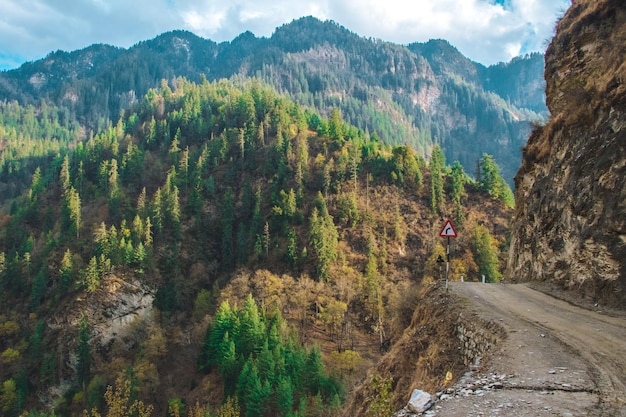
x=569 y=229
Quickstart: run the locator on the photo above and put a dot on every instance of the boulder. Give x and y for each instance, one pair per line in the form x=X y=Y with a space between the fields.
x=420 y=401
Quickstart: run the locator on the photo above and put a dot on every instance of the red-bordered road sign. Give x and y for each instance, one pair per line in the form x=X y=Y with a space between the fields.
x=448 y=230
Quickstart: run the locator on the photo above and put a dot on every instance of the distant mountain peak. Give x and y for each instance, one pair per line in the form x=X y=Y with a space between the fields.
x=306 y=32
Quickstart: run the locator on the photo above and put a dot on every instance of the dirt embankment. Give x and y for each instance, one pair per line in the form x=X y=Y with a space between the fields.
x=443 y=340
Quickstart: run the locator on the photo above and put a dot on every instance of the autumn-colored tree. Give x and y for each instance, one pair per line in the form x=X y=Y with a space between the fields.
x=380 y=401
x=120 y=402
x=8 y=398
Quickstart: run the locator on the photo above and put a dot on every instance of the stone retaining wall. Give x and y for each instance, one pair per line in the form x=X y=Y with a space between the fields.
x=477 y=337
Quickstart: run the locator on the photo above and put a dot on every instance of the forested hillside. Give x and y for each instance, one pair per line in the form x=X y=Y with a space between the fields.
x=420 y=94
x=218 y=249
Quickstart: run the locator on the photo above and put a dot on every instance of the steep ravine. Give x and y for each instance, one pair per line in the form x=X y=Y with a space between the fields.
x=569 y=228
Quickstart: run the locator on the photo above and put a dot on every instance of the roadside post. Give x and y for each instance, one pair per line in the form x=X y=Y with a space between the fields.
x=439 y=262
x=447 y=231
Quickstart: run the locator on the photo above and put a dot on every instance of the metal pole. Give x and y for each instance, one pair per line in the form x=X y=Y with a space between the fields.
x=447 y=262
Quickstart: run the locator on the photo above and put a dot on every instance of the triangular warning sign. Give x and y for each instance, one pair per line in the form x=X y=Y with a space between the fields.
x=448 y=230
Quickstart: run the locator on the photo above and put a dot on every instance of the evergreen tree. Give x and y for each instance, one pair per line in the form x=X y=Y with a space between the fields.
x=91 y=278
x=285 y=396
x=323 y=236
x=225 y=321
x=227 y=246
x=64 y=175
x=457 y=179
x=36 y=186
x=157 y=210
x=141 y=203
x=335 y=127
x=314 y=371
x=490 y=180
x=228 y=365
x=66 y=271
x=292 y=249
x=437 y=164
x=38 y=291
x=251 y=328
x=74 y=210
x=83 y=352
x=485 y=253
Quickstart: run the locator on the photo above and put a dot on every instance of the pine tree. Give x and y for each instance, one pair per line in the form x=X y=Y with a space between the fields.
x=485 y=253
x=491 y=181
x=91 y=277
x=183 y=171
x=251 y=328
x=74 y=210
x=266 y=239
x=285 y=396
x=141 y=203
x=227 y=244
x=313 y=371
x=157 y=210
x=225 y=321
x=64 y=175
x=228 y=365
x=437 y=164
x=147 y=238
x=323 y=237
x=174 y=149
x=38 y=291
x=173 y=210
x=256 y=398
x=83 y=352
x=335 y=127
x=457 y=179
x=36 y=186
x=292 y=249
x=66 y=271
x=113 y=181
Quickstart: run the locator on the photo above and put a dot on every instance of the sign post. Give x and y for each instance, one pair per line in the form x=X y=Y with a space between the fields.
x=448 y=232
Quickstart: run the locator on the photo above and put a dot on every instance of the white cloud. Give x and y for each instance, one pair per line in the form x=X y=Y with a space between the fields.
x=482 y=29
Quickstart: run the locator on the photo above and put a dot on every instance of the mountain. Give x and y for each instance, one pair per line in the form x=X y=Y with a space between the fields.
x=418 y=94
x=219 y=248
x=570 y=217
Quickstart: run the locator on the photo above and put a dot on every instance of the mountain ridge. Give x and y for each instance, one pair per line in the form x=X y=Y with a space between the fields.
x=417 y=94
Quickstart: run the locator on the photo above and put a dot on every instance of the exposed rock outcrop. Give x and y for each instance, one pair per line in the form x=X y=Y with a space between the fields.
x=569 y=228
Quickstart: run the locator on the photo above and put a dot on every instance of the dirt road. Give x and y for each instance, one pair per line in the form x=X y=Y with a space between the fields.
x=557 y=359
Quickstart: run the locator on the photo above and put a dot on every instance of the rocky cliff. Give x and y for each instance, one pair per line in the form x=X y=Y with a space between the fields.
x=569 y=228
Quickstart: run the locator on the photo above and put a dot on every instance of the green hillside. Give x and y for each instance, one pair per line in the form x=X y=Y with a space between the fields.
x=219 y=248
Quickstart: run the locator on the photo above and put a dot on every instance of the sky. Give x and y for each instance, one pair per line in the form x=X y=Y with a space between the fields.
x=486 y=31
